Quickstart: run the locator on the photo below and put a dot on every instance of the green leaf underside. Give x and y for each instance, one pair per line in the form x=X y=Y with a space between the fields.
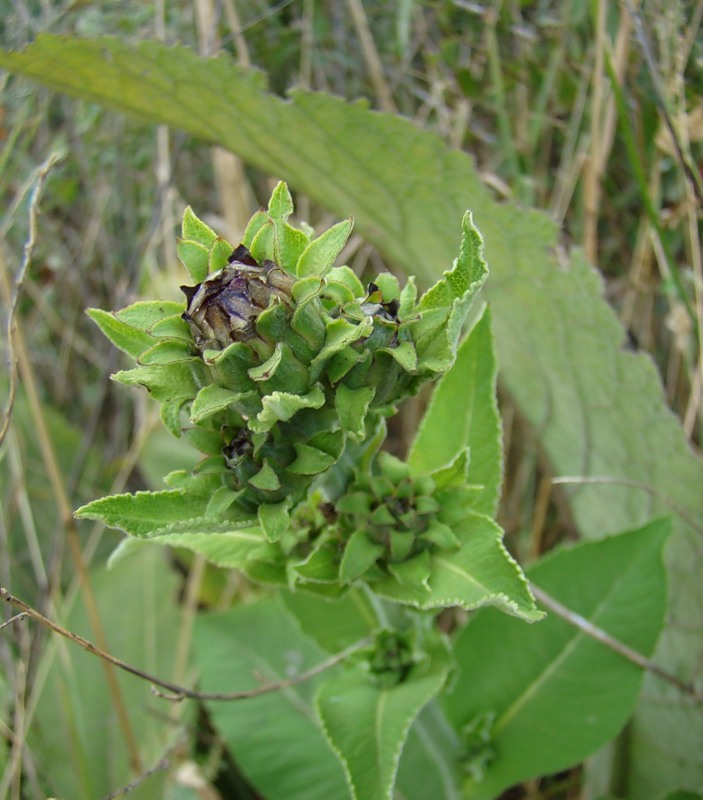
x=541 y=724
x=279 y=745
x=558 y=343
x=370 y=749
x=219 y=544
x=463 y=413
x=141 y=513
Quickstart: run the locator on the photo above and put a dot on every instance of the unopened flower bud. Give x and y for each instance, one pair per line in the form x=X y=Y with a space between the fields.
x=224 y=307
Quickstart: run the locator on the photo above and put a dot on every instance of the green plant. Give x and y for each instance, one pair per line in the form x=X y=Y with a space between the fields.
x=282 y=370
x=560 y=353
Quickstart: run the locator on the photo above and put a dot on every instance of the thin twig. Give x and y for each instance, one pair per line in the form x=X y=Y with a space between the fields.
x=16 y=618
x=631 y=484
x=610 y=641
x=180 y=692
x=35 y=195
x=164 y=762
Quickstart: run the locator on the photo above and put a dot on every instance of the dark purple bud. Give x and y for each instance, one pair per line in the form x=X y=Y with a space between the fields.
x=224 y=307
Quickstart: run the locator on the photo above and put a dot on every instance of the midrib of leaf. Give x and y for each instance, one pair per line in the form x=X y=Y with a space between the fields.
x=436 y=756
x=579 y=635
x=378 y=724
x=462 y=573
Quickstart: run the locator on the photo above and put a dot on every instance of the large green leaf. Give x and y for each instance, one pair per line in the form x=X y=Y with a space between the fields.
x=549 y=694
x=275 y=738
x=599 y=410
x=75 y=735
x=367 y=723
x=463 y=413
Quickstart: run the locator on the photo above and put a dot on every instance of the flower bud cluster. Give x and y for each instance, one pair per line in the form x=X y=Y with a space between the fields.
x=391 y=522
x=280 y=362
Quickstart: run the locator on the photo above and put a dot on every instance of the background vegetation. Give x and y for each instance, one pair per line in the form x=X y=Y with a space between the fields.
x=564 y=107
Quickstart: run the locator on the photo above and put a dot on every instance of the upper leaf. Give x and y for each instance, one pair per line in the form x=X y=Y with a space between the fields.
x=463 y=413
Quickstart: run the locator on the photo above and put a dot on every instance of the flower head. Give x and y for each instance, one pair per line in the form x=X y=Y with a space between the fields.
x=224 y=307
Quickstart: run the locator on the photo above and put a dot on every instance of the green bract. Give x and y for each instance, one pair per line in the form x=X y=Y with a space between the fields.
x=281 y=368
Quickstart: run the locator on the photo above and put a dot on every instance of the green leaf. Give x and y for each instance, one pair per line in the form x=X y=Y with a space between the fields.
x=463 y=413
x=219 y=255
x=221 y=499
x=258 y=220
x=263 y=243
x=222 y=544
x=195 y=229
x=280 y=407
x=429 y=764
x=274 y=519
x=144 y=314
x=278 y=744
x=165 y=352
x=339 y=334
x=195 y=257
x=171 y=382
x=290 y=243
x=266 y=479
x=126 y=338
x=320 y=619
x=319 y=256
x=480 y=572
x=360 y=553
x=370 y=748
x=281 y=203
x=541 y=724
x=142 y=513
x=211 y=400
x=352 y=406
x=310 y=460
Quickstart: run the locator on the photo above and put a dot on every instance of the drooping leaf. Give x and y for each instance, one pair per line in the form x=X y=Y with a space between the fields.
x=553 y=694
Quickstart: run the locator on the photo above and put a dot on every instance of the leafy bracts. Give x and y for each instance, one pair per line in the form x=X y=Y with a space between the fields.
x=281 y=368
x=279 y=358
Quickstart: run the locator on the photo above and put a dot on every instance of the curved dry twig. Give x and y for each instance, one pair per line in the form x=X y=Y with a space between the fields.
x=177 y=692
x=575 y=619
x=13 y=292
